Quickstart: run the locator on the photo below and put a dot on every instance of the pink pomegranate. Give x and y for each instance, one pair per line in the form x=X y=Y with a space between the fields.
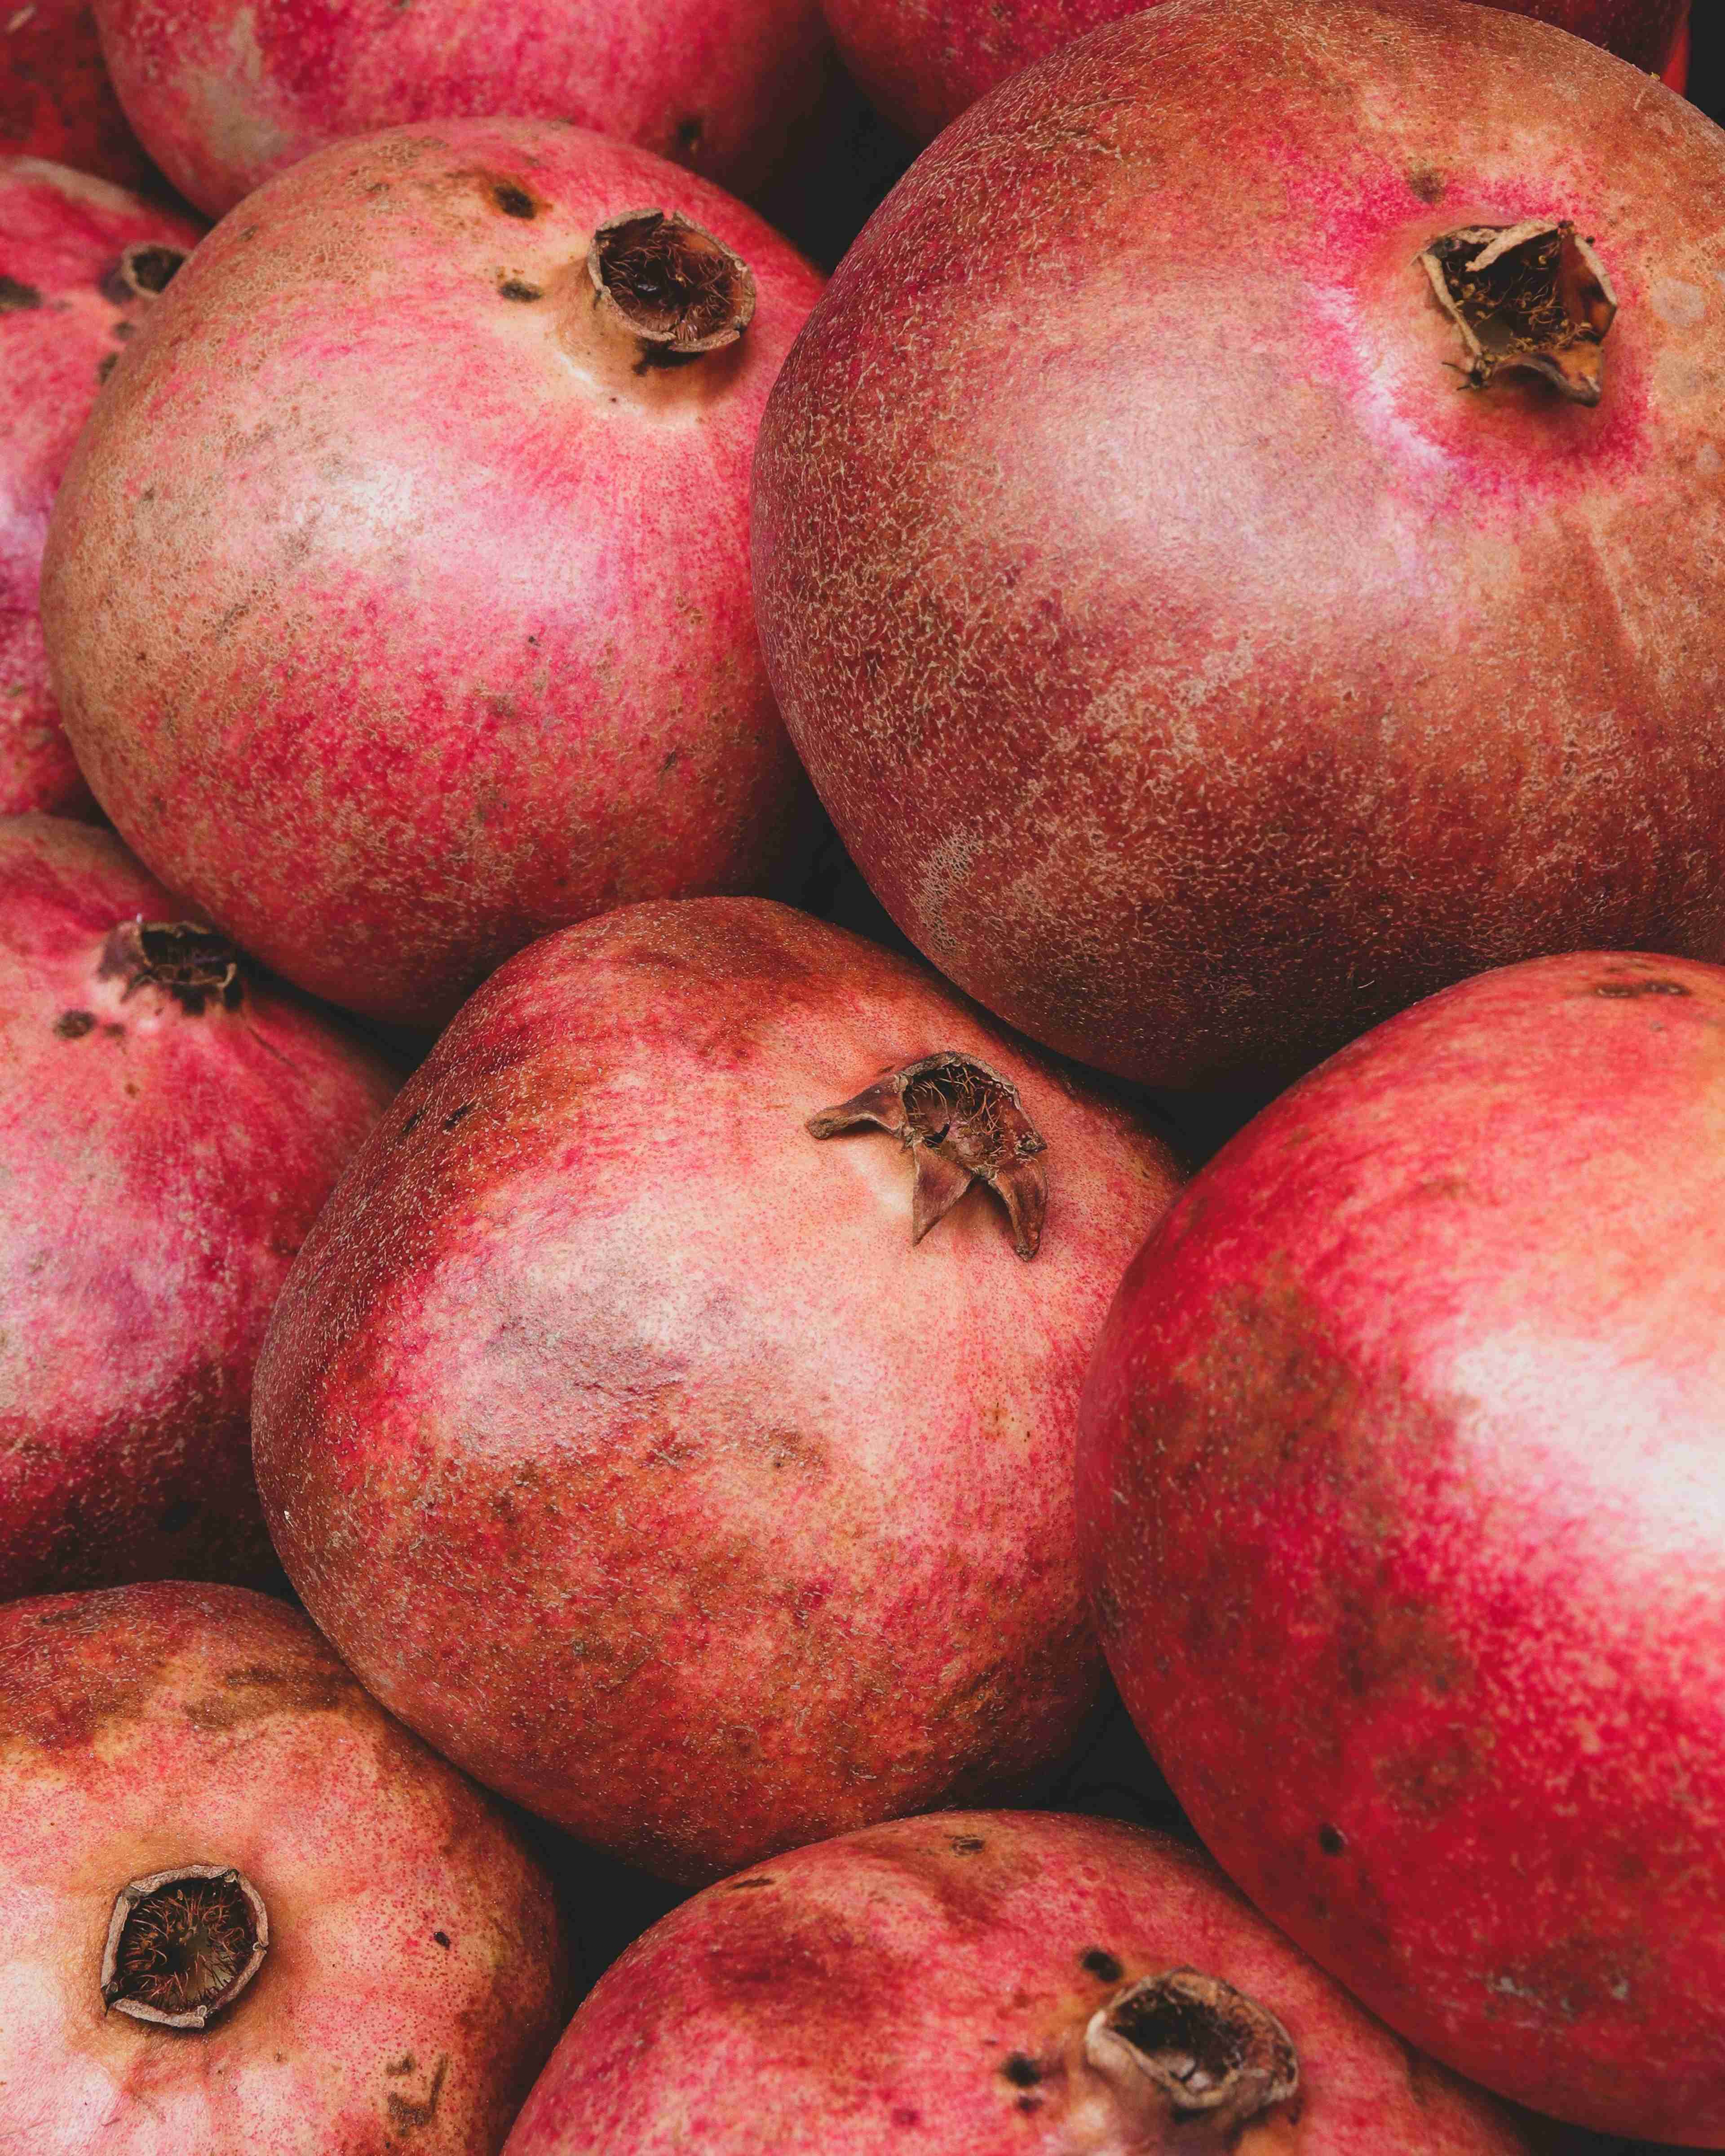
x=226 y=93
x=241 y=1908
x=615 y=1428
x=56 y=100
x=925 y=61
x=1402 y=1486
x=397 y=596
x=1221 y=590
x=986 y=1983
x=169 y=1127
x=80 y=266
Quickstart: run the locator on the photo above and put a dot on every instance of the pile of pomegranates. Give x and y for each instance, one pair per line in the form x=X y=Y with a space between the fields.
x=861 y=1127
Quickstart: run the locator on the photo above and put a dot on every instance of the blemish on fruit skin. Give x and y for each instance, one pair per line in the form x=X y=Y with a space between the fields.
x=512 y=200
x=74 y=1024
x=1022 y=2071
x=1102 y=1965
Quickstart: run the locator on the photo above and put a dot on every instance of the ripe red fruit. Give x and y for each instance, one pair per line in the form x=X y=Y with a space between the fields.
x=56 y=100
x=1402 y=1492
x=397 y=596
x=926 y=61
x=226 y=93
x=983 y=1983
x=614 y=1429
x=81 y=264
x=1196 y=667
x=240 y=1907
x=168 y=1130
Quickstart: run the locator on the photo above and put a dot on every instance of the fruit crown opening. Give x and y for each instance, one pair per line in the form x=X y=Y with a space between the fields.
x=1187 y=2046
x=1533 y=296
x=195 y=964
x=183 y=1944
x=677 y=289
x=961 y=1123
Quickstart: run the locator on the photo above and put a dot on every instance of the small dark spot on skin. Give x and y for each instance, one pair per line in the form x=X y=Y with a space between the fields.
x=1331 y=1840
x=104 y=366
x=904 y=2116
x=1102 y=1966
x=1618 y=990
x=179 y=1514
x=738 y=1886
x=512 y=288
x=968 y=1845
x=15 y=297
x=673 y=757
x=511 y=200
x=1022 y=2071
x=412 y=1122
x=74 y=1024
x=689 y=135
x=443 y=1940
x=1428 y=184
x=123 y=332
x=403 y=2064
x=251 y=232
x=1029 y=2103
x=405 y=2114
x=460 y=1115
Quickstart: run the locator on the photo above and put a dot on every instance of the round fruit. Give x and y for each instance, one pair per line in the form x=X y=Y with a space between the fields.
x=168 y=1129
x=239 y=1907
x=925 y=61
x=80 y=266
x=615 y=1431
x=56 y=100
x=1221 y=590
x=228 y=93
x=1402 y=1486
x=987 y=1984
x=398 y=595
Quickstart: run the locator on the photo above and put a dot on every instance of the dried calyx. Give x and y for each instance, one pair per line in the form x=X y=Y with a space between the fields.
x=677 y=290
x=1533 y=296
x=183 y=1944
x=195 y=965
x=961 y=1123
x=143 y=272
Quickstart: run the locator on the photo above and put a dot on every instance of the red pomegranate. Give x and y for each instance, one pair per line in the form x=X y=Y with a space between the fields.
x=241 y=1909
x=925 y=61
x=226 y=93
x=168 y=1129
x=397 y=596
x=1206 y=637
x=56 y=100
x=615 y=1431
x=1402 y=1490
x=80 y=265
x=986 y=1983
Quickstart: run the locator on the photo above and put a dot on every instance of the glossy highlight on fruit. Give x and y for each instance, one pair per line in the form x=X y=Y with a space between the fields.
x=399 y=596
x=1401 y=1486
x=1201 y=654
x=688 y=1457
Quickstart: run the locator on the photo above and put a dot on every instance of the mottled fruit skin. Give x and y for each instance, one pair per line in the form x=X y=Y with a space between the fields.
x=414 y=1979
x=67 y=307
x=926 y=61
x=228 y=93
x=614 y=1431
x=398 y=612
x=1402 y=1488
x=159 y=1168
x=56 y=98
x=915 y=1985
x=1225 y=676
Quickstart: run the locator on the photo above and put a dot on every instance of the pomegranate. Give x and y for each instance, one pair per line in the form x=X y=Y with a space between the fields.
x=1161 y=524
x=925 y=61
x=226 y=93
x=80 y=265
x=614 y=1430
x=1401 y=1489
x=241 y=1908
x=56 y=100
x=981 y=1983
x=397 y=596
x=168 y=1130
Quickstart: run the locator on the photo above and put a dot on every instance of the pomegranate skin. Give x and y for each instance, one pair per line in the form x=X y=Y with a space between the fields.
x=1399 y=1482
x=922 y=1984
x=413 y=1980
x=227 y=94
x=1227 y=677
x=161 y=1165
x=399 y=613
x=614 y=1429
x=924 y=61
x=66 y=242
x=56 y=98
